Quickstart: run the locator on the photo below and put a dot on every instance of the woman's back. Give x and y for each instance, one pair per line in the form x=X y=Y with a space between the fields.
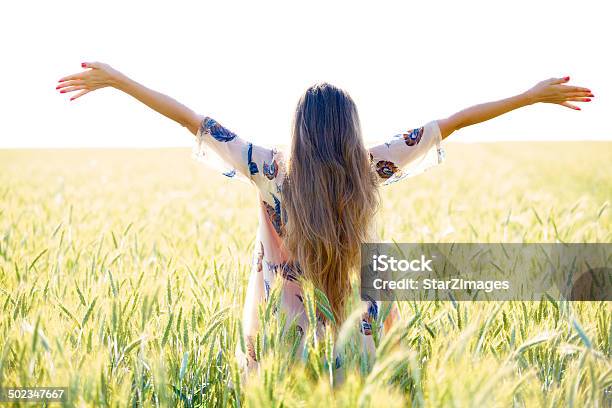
x=281 y=204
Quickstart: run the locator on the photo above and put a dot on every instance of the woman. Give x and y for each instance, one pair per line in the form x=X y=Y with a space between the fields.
x=317 y=205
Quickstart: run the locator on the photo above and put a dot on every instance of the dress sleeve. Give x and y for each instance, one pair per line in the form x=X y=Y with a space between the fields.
x=408 y=153
x=224 y=151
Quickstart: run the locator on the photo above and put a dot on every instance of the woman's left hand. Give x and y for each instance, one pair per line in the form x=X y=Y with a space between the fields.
x=96 y=76
x=555 y=90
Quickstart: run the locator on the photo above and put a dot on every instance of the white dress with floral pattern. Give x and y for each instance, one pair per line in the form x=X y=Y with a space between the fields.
x=403 y=155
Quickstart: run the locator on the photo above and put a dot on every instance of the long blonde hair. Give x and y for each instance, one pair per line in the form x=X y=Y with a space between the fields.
x=330 y=193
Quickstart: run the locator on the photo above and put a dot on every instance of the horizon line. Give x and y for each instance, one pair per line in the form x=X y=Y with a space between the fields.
x=183 y=146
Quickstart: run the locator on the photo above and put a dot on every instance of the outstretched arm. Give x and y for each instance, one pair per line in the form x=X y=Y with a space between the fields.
x=552 y=90
x=98 y=75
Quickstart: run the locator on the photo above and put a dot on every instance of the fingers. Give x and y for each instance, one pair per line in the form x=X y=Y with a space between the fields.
x=574 y=90
x=556 y=81
x=74 y=82
x=566 y=88
x=95 y=65
x=72 y=88
x=569 y=105
x=578 y=94
x=80 y=94
x=84 y=82
x=81 y=75
x=579 y=99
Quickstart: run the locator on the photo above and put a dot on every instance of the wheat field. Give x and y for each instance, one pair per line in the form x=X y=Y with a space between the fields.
x=123 y=272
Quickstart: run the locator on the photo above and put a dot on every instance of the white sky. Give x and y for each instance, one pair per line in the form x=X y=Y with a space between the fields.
x=246 y=64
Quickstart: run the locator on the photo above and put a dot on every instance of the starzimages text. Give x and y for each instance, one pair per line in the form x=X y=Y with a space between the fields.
x=436 y=284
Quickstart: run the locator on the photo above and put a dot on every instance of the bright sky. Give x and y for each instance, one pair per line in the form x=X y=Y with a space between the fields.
x=246 y=64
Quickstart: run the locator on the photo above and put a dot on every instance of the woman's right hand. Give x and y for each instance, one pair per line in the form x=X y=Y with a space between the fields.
x=96 y=76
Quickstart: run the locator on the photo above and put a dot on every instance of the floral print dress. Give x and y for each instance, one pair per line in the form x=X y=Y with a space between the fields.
x=402 y=155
